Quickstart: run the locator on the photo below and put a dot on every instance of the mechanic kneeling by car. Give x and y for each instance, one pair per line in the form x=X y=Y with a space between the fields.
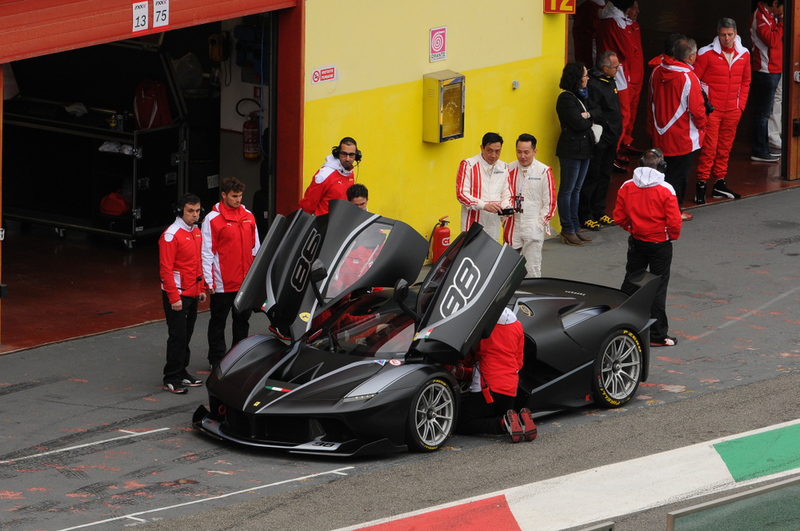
x=494 y=377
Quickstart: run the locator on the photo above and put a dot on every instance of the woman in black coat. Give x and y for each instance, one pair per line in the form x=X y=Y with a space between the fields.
x=574 y=149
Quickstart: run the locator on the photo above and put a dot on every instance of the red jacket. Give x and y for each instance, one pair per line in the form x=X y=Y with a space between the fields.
x=677 y=116
x=181 y=264
x=230 y=241
x=620 y=34
x=727 y=85
x=499 y=357
x=584 y=31
x=647 y=207
x=329 y=183
x=766 y=35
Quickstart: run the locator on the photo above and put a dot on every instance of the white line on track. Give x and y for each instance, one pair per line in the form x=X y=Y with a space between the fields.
x=132 y=434
x=133 y=516
x=751 y=312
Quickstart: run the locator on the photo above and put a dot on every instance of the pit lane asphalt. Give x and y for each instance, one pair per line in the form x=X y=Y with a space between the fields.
x=66 y=407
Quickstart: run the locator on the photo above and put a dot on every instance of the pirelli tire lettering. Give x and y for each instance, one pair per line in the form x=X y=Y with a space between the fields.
x=617 y=369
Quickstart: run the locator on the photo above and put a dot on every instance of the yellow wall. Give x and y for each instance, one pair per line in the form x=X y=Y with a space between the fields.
x=378 y=96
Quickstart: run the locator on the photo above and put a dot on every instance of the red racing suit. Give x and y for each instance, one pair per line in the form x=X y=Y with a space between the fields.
x=725 y=76
x=647 y=207
x=477 y=183
x=499 y=357
x=618 y=33
x=329 y=183
x=230 y=241
x=180 y=261
x=766 y=35
x=677 y=114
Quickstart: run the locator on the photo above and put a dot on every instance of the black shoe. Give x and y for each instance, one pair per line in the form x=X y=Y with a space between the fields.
x=512 y=426
x=606 y=220
x=191 y=381
x=175 y=387
x=621 y=160
x=591 y=224
x=632 y=150
x=722 y=190
x=764 y=158
x=618 y=169
x=700 y=195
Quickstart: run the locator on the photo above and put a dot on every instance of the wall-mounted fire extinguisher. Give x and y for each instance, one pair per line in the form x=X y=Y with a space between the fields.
x=440 y=239
x=251 y=134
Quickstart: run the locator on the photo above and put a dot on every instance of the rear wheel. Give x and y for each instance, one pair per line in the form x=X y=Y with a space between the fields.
x=431 y=417
x=617 y=369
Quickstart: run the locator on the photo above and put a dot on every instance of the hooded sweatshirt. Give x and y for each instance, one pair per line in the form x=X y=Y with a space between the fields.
x=499 y=357
x=677 y=116
x=647 y=207
x=329 y=183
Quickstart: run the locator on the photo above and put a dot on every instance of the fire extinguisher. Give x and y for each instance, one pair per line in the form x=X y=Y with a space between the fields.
x=440 y=239
x=250 y=132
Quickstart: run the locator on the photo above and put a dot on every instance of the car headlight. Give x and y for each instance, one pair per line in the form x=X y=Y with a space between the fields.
x=358 y=397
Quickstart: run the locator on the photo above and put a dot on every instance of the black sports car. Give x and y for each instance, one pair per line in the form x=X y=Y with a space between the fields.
x=357 y=363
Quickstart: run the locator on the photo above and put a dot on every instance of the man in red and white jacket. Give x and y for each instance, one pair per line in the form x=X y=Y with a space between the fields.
x=532 y=182
x=648 y=209
x=619 y=32
x=482 y=187
x=333 y=179
x=766 y=35
x=677 y=114
x=230 y=241
x=182 y=287
x=723 y=68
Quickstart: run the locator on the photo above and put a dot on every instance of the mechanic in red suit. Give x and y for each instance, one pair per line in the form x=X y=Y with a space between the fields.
x=333 y=179
x=677 y=114
x=723 y=68
x=230 y=241
x=182 y=287
x=496 y=362
x=584 y=30
x=619 y=32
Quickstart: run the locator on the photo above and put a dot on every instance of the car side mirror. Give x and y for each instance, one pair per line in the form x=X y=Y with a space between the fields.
x=400 y=295
x=318 y=274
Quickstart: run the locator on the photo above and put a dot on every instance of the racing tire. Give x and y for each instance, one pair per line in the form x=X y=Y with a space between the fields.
x=431 y=417
x=617 y=369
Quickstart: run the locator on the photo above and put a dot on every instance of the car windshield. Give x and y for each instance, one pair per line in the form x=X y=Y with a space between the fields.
x=358 y=258
x=362 y=326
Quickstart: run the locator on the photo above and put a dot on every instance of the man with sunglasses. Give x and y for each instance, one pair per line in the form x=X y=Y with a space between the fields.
x=333 y=179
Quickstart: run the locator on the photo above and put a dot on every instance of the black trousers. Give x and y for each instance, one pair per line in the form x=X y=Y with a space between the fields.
x=595 y=187
x=221 y=306
x=657 y=256
x=181 y=326
x=479 y=417
x=677 y=174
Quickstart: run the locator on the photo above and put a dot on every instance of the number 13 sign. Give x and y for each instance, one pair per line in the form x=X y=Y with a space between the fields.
x=559 y=6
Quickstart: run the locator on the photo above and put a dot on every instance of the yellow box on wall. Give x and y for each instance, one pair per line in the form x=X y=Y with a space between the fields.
x=443 y=106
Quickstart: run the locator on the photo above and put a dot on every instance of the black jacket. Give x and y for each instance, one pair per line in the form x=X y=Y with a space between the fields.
x=603 y=91
x=575 y=141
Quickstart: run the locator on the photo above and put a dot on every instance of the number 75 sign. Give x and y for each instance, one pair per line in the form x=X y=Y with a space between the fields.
x=559 y=6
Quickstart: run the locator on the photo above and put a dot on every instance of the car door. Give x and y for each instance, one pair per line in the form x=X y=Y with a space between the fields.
x=464 y=294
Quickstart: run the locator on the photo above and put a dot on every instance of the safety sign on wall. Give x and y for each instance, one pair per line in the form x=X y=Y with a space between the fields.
x=438 y=44
x=326 y=73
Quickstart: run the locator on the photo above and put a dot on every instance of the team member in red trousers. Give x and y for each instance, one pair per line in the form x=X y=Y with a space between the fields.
x=723 y=68
x=494 y=376
x=677 y=116
x=648 y=210
x=182 y=287
x=230 y=241
x=333 y=179
x=619 y=32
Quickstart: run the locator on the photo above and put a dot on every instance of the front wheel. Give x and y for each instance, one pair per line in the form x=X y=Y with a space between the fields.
x=431 y=418
x=617 y=369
